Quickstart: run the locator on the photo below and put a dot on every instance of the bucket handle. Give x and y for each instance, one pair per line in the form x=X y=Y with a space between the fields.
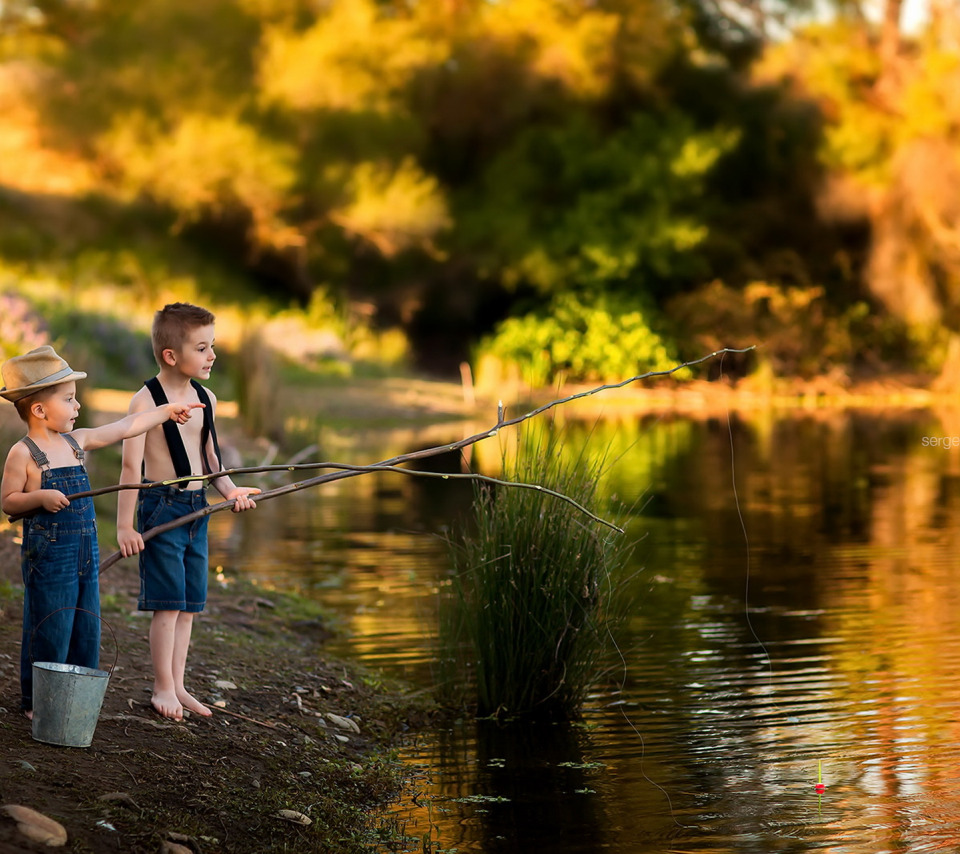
x=116 y=644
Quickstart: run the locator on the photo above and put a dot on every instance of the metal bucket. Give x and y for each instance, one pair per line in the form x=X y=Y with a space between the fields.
x=67 y=697
x=66 y=702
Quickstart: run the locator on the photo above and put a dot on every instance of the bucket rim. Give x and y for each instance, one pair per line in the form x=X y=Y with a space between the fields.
x=72 y=669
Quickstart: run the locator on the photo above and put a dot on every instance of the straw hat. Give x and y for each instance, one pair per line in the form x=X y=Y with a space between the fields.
x=40 y=368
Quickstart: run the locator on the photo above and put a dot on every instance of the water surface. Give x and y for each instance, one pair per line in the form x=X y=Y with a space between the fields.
x=797 y=612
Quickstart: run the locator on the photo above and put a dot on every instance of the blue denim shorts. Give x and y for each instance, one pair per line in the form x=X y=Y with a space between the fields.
x=173 y=565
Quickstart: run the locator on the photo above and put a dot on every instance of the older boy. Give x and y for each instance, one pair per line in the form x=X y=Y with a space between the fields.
x=173 y=565
x=60 y=560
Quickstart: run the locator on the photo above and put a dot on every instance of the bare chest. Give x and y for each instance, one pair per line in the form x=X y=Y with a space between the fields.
x=158 y=456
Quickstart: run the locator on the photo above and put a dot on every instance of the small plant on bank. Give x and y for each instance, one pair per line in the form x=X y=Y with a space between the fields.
x=532 y=598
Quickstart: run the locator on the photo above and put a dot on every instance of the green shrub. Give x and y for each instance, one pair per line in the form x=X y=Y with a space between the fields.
x=606 y=338
x=796 y=329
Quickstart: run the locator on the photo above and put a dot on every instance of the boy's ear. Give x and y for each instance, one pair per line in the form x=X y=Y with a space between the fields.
x=36 y=410
x=169 y=357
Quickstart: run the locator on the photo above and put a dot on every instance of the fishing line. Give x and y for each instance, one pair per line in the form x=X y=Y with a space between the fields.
x=643 y=744
x=820 y=787
x=753 y=632
x=746 y=537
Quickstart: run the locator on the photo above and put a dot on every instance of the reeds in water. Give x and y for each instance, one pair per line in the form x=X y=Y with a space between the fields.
x=532 y=594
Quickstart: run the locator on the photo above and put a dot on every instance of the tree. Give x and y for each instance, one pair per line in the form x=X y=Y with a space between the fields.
x=892 y=146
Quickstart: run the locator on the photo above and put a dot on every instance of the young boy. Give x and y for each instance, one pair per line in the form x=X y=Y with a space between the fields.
x=173 y=565
x=60 y=559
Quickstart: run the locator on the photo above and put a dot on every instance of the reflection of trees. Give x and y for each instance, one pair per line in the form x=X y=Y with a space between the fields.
x=511 y=788
x=902 y=621
x=346 y=519
x=632 y=451
x=851 y=522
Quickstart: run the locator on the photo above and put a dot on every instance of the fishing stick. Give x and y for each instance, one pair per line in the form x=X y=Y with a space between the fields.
x=352 y=471
x=427 y=452
x=392 y=463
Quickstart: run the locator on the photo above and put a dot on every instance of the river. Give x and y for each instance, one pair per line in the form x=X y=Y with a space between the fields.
x=796 y=621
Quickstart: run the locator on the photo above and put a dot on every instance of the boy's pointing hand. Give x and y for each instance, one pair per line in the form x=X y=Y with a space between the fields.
x=180 y=412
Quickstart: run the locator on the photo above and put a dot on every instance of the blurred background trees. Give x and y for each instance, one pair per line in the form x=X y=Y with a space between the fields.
x=577 y=188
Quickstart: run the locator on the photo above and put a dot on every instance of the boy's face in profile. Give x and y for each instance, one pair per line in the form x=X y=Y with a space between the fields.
x=196 y=357
x=60 y=407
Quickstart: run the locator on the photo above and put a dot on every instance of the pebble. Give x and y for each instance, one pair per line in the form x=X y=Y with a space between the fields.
x=294 y=816
x=343 y=723
x=36 y=826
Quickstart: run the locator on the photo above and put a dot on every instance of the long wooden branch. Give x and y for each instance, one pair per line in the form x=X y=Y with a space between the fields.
x=392 y=464
x=291 y=467
x=352 y=471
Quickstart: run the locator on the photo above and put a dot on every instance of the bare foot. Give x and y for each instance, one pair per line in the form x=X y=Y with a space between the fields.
x=28 y=714
x=165 y=703
x=192 y=704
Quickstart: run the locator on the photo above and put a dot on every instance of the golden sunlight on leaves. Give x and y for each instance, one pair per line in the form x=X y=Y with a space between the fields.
x=27 y=162
x=206 y=165
x=573 y=49
x=891 y=130
x=350 y=59
x=394 y=208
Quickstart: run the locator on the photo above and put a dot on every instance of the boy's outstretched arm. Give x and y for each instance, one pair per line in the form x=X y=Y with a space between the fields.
x=128 y=537
x=136 y=423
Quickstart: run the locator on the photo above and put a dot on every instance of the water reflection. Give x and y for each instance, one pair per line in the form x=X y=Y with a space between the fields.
x=798 y=603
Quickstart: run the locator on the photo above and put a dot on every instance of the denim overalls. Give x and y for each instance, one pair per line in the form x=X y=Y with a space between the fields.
x=60 y=562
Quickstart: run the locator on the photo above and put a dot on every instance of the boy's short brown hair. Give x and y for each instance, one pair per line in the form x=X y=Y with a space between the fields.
x=172 y=324
x=23 y=405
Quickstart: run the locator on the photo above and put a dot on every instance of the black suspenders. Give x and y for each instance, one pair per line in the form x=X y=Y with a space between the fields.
x=171 y=432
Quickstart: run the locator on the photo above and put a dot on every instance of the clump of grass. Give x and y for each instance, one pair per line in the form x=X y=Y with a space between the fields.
x=533 y=593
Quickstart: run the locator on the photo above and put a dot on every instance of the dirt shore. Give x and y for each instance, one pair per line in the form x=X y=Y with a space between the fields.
x=300 y=731
x=296 y=731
